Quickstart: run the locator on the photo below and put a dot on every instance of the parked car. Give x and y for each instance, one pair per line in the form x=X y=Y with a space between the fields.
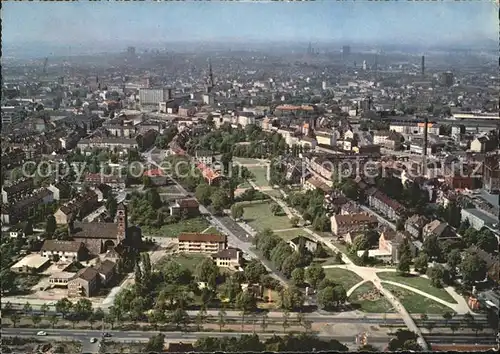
x=41 y=333
x=93 y=340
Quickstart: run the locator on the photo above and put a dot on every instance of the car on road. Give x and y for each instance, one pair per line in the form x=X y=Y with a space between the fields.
x=93 y=340
x=41 y=333
x=106 y=334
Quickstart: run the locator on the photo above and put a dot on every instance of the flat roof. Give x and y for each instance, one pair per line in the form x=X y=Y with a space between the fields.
x=32 y=261
x=62 y=275
x=483 y=216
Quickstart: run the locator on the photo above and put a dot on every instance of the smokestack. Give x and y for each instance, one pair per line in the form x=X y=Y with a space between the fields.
x=423 y=65
x=424 y=157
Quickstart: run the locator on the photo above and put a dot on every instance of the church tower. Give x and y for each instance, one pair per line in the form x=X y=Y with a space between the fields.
x=121 y=222
x=210 y=78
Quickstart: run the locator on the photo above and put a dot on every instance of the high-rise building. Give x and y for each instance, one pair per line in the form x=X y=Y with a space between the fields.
x=423 y=66
x=151 y=97
x=447 y=78
x=323 y=85
x=131 y=51
x=210 y=79
x=346 y=51
x=365 y=67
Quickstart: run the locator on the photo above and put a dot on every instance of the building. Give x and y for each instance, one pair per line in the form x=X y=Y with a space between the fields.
x=439 y=229
x=478 y=219
x=151 y=97
x=99 y=237
x=491 y=173
x=81 y=205
x=301 y=241
x=205 y=157
x=66 y=251
x=228 y=258
x=85 y=283
x=447 y=79
x=414 y=128
x=201 y=243
x=106 y=270
x=157 y=177
x=346 y=51
x=26 y=207
x=187 y=207
x=343 y=224
x=483 y=143
x=120 y=144
x=31 y=263
x=492 y=262
x=17 y=190
x=414 y=225
x=389 y=207
x=314 y=183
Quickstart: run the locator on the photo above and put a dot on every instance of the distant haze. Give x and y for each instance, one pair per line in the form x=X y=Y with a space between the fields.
x=77 y=27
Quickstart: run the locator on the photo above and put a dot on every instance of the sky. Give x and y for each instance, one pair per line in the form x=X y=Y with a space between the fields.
x=393 y=22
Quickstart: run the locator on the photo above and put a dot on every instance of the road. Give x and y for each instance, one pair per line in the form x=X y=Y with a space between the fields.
x=143 y=336
x=237 y=236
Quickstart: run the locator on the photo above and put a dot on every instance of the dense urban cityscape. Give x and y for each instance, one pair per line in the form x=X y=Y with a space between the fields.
x=255 y=197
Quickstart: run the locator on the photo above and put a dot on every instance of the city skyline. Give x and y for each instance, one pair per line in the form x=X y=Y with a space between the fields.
x=83 y=24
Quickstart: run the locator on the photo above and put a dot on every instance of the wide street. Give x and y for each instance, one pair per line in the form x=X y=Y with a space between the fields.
x=142 y=336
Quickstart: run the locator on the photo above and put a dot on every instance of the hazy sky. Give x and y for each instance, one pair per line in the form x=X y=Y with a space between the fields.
x=83 y=23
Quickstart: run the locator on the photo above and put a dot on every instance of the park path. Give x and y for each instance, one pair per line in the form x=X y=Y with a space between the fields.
x=351 y=290
x=289 y=229
x=368 y=274
x=462 y=303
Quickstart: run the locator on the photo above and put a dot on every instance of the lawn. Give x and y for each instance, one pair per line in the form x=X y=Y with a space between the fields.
x=173 y=189
x=368 y=299
x=259 y=217
x=173 y=230
x=212 y=230
x=189 y=261
x=260 y=176
x=245 y=161
x=290 y=234
x=415 y=303
x=343 y=276
x=419 y=283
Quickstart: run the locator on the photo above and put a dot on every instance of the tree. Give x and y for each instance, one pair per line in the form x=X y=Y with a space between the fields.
x=432 y=248
x=470 y=236
x=14 y=318
x=367 y=348
x=221 y=320
x=83 y=308
x=28 y=228
x=421 y=263
x=50 y=225
x=156 y=343
x=111 y=205
x=447 y=316
x=254 y=270
x=44 y=308
x=468 y=320
x=220 y=200
x=207 y=272
x=314 y=274
x=237 y=211
x=294 y=221
x=360 y=243
x=203 y=193
x=53 y=319
x=291 y=298
x=454 y=326
x=275 y=209
x=180 y=318
x=36 y=318
x=473 y=268
x=146 y=182
x=436 y=274
x=430 y=326
x=201 y=318
x=487 y=241
x=405 y=258
x=327 y=298
x=263 y=322
x=478 y=327
x=27 y=308
x=286 y=318
x=298 y=276
x=453 y=260
x=246 y=301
